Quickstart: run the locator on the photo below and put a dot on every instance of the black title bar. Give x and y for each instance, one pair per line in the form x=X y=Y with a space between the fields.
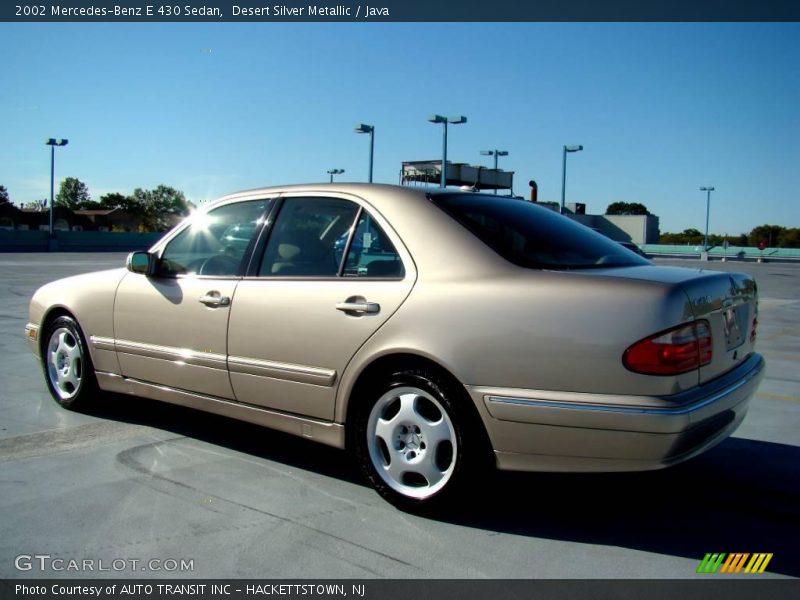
x=398 y=10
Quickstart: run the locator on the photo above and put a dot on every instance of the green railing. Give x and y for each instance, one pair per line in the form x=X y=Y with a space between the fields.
x=718 y=252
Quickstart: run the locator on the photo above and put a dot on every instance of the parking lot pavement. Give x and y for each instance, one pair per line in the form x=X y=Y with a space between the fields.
x=137 y=484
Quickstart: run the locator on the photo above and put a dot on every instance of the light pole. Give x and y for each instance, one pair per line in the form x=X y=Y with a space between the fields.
x=495 y=153
x=444 y=121
x=333 y=172
x=53 y=143
x=573 y=148
x=707 y=190
x=370 y=129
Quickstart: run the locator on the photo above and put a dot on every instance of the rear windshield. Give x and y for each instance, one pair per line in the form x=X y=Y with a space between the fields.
x=532 y=236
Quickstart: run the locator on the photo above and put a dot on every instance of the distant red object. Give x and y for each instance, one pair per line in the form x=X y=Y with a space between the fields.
x=534 y=190
x=762 y=244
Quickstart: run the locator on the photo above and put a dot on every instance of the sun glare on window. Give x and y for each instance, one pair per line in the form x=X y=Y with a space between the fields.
x=201 y=220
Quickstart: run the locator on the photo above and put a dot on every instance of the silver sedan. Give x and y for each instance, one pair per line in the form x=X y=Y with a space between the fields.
x=434 y=333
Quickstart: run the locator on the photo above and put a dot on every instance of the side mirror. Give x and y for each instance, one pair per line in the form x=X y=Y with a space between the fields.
x=141 y=262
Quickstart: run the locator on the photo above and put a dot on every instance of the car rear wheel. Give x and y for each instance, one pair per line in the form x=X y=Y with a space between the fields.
x=414 y=441
x=67 y=365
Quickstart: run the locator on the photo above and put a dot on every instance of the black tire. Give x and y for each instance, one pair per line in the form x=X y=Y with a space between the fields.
x=68 y=370
x=417 y=440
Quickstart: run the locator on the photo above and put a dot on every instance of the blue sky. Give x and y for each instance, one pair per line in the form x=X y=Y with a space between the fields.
x=661 y=109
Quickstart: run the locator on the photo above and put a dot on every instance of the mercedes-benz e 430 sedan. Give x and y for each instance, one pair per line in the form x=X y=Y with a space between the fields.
x=434 y=333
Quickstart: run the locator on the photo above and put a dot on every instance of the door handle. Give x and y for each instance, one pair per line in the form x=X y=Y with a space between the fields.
x=364 y=307
x=214 y=299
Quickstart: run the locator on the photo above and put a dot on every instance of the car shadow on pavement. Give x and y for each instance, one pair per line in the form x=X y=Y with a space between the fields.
x=742 y=496
x=228 y=433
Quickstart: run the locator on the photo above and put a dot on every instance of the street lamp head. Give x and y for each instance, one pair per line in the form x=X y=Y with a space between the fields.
x=573 y=148
x=494 y=152
x=54 y=142
x=707 y=189
x=370 y=129
x=335 y=171
x=457 y=120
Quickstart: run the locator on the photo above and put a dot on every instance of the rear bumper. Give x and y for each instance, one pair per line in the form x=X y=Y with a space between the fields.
x=534 y=430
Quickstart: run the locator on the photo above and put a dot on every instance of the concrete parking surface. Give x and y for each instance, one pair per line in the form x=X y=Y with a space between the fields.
x=136 y=485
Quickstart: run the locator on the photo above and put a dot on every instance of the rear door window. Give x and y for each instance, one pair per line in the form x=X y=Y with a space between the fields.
x=306 y=240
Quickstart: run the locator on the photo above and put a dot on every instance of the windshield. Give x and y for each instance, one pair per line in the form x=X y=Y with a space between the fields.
x=532 y=236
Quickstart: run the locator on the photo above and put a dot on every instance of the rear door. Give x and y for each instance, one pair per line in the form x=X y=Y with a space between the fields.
x=331 y=273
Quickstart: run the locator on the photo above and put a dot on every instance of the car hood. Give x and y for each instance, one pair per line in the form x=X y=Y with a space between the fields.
x=76 y=293
x=103 y=278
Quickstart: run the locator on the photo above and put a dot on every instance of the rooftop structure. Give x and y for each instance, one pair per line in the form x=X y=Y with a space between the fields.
x=458 y=174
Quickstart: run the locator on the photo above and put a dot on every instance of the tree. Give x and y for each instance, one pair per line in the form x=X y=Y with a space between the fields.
x=156 y=207
x=739 y=240
x=72 y=193
x=90 y=205
x=117 y=200
x=39 y=205
x=687 y=236
x=627 y=208
x=769 y=234
x=775 y=236
x=4 y=199
x=789 y=238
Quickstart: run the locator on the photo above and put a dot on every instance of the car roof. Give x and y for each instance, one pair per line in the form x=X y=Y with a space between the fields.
x=439 y=245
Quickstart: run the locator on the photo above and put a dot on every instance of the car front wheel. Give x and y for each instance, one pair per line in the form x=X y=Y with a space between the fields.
x=67 y=365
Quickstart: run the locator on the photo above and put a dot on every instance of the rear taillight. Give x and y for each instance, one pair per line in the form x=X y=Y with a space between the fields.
x=678 y=350
x=754 y=331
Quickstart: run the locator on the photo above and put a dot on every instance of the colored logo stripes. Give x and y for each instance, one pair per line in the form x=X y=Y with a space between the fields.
x=734 y=563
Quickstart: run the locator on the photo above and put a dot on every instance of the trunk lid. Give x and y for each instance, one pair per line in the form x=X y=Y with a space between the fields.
x=728 y=301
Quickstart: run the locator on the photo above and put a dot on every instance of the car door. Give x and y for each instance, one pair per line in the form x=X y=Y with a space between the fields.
x=330 y=275
x=170 y=327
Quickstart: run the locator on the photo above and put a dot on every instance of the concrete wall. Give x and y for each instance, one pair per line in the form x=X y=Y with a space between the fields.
x=76 y=241
x=639 y=229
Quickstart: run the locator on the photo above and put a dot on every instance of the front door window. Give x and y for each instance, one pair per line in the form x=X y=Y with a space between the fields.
x=215 y=243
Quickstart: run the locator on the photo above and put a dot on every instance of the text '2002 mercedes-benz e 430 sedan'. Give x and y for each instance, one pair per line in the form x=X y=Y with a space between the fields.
x=434 y=333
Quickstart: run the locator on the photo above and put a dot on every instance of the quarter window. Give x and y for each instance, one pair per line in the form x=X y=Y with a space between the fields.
x=371 y=254
x=214 y=243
